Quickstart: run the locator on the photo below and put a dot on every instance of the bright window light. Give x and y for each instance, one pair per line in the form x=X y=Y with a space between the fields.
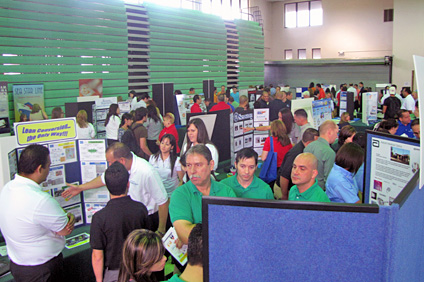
x=168 y=3
x=9 y=55
x=290 y=15
x=227 y=13
x=216 y=8
x=206 y=6
x=316 y=13
x=186 y=4
x=302 y=14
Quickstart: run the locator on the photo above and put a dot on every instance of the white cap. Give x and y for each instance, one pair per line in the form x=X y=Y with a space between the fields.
x=392 y=90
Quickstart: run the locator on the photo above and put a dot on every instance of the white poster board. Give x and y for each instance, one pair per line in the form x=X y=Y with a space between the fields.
x=369 y=107
x=419 y=74
x=391 y=162
x=321 y=111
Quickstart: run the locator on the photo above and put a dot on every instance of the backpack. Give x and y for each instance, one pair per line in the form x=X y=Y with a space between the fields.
x=128 y=138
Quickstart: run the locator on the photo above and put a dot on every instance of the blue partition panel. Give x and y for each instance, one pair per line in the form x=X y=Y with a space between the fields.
x=288 y=243
x=408 y=238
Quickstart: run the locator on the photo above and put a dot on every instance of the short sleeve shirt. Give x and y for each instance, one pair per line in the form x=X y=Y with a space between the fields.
x=313 y=194
x=258 y=189
x=341 y=186
x=280 y=149
x=186 y=201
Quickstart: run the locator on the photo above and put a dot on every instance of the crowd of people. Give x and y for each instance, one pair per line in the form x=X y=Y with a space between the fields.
x=154 y=184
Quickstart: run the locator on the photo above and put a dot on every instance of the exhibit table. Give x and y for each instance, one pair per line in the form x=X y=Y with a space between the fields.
x=77 y=261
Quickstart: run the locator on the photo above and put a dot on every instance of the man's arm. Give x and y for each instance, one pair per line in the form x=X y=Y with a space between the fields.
x=183 y=228
x=384 y=109
x=163 y=217
x=97 y=257
x=284 y=185
x=74 y=190
x=69 y=226
x=143 y=146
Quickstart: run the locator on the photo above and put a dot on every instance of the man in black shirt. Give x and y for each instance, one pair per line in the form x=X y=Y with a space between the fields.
x=263 y=101
x=391 y=105
x=310 y=135
x=111 y=225
x=276 y=105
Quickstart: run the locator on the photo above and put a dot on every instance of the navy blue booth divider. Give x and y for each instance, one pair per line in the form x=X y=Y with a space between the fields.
x=262 y=240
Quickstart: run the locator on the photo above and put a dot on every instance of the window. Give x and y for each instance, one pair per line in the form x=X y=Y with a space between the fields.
x=388 y=15
x=303 y=14
x=288 y=54
x=301 y=54
x=316 y=53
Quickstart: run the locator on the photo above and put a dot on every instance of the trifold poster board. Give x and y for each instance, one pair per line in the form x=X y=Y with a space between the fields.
x=241 y=139
x=369 y=107
x=419 y=74
x=390 y=162
x=260 y=118
x=346 y=103
x=269 y=240
x=305 y=104
x=72 y=161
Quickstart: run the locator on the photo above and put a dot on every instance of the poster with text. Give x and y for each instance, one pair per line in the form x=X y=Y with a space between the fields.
x=321 y=111
x=57 y=195
x=64 y=152
x=92 y=150
x=90 y=170
x=91 y=209
x=391 y=163
x=184 y=103
x=90 y=87
x=28 y=101
x=13 y=163
x=241 y=120
x=56 y=178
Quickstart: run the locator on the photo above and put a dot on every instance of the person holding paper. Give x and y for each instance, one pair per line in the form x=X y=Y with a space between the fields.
x=32 y=222
x=145 y=184
x=111 y=225
x=186 y=201
x=245 y=184
x=194 y=269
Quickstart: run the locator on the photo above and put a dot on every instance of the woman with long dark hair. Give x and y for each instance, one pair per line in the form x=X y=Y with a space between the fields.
x=293 y=130
x=112 y=123
x=127 y=120
x=167 y=163
x=197 y=134
x=154 y=126
x=142 y=254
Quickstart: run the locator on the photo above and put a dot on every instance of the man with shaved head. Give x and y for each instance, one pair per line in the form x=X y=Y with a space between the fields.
x=306 y=188
x=322 y=151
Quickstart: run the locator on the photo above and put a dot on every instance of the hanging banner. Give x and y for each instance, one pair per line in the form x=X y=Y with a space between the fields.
x=45 y=131
x=28 y=102
x=91 y=87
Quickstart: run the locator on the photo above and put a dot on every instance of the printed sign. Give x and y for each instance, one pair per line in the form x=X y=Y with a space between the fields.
x=45 y=131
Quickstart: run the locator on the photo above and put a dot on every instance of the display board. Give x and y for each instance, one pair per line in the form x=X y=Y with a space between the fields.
x=419 y=74
x=369 y=107
x=260 y=118
x=346 y=103
x=321 y=111
x=241 y=139
x=100 y=111
x=390 y=163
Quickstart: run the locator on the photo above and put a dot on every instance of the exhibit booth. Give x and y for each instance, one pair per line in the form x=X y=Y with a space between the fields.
x=266 y=240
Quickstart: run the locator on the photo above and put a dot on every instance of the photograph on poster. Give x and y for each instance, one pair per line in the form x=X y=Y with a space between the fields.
x=76 y=210
x=4 y=125
x=57 y=195
x=259 y=140
x=373 y=195
x=56 y=178
x=91 y=87
x=248 y=123
x=64 y=152
x=400 y=155
x=238 y=128
x=248 y=141
x=378 y=185
x=238 y=143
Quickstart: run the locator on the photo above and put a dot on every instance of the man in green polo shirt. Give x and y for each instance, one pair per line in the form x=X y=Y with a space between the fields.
x=306 y=188
x=245 y=184
x=186 y=201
